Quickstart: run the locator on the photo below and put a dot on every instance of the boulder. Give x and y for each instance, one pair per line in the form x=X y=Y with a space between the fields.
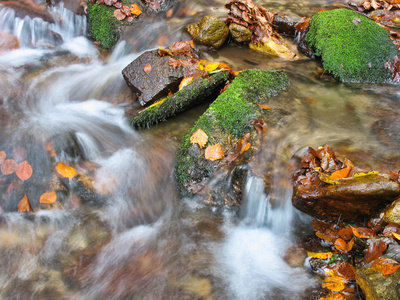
x=200 y=90
x=240 y=33
x=228 y=118
x=209 y=31
x=352 y=47
x=157 y=79
x=29 y=8
x=351 y=199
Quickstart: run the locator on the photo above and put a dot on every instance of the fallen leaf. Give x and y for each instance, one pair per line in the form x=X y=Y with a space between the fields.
x=185 y=81
x=126 y=10
x=361 y=174
x=119 y=14
x=147 y=68
x=65 y=170
x=385 y=265
x=24 y=171
x=340 y=174
x=214 y=152
x=49 y=147
x=178 y=48
x=343 y=269
x=356 y=21
x=330 y=238
x=345 y=233
x=199 y=137
x=242 y=145
x=396 y=235
x=263 y=106
x=363 y=232
x=260 y=126
x=3 y=156
x=24 y=204
x=332 y=296
x=303 y=24
x=135 y=10
x=334 y=283
x=169 y=13
x=320 y=255
x=9 y=166
x=342 y=245
x=176 y=63
x=375 y=250
x=211 y=67
x=391 y=229
x=48 y=198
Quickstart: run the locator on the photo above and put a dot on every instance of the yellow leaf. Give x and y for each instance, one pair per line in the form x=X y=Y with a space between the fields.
x=327 y=178
x=24 y=204
x=334 y=283
x=396 y=235
x=199 y=67
x=199 y=137
x=135 y=10
x=385 y=265
x=203 y=62
x=211 y=67
x=320 y=255
x=48 y=198
x=214 y=152
x=185 y=81
x=361 y=174
x=65 y=170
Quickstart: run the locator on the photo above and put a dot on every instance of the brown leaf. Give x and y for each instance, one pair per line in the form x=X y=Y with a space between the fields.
x=343 y=269
x=118 y=4
x=260 y=126
x=119 y=14
x=179 y=63
x=303 y=24
x=50 y=149
x=241 y=146
x=345 y=233
x=363 y=232
x=65 y=170
x=391 y=228
x=48 y=198
x=384 y=265
x=199 y=137
x=147 y=68
x=178 y=48
x=9 y=166
x=24 y=204
x=329 y=238
x=135 y=10
x=169 y=13
x=214 y=152
x=394 y=176
x=263 y=106
x=24 y=171
x=3 y=156
x=126 y=10
x=375 y=250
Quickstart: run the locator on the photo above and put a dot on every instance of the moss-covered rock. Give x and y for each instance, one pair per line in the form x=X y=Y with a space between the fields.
x=352 y=47
x=202 y=89
x=209 y=31
x=228 y=118
x=102 y=24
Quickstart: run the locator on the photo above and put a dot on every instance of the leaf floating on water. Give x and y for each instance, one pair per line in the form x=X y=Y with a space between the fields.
x=48 y=198
x=384 y=265
x=185 y=81
x=24 y=171
x=214 y=152
x=147 y=68
x=135 y=10
x=320 y=255
x=199 y=137
x=24 y=204
x=65 y=170
x=9 y=166
x=3 y=156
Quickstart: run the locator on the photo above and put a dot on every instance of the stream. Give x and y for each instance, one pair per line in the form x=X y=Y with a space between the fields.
x=143 y=241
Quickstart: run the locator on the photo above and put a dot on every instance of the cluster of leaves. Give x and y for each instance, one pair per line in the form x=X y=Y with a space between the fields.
x=154 y=4
x=369 y=5
x=394 y=67
x=350 y=244
x=121 y=11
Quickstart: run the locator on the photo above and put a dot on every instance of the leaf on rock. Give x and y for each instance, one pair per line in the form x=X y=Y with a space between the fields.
x=24 y=204
x=211 y=67
x=363 y=232
x=392 y=229
x=343 y=269
x=24 y=171
x=48 y=198
x=65 y=170
x=320 y=255
x=135 y=10
x=375 y=250
x=178 y=48
x=303 y=24
x=173 y=62
x=329 y=238
x=362 y=174
x=263 y=106
x=340 y=174
x=385 y=265
x=394 y=176
x=199 y=137
x=119 y=14
x=185 y=81
x=342 y=245
x=345 y=233
x=396 y=235
x=242 y=145
x=3 y=156
x=334 y=283
x=214 y=152
x=147 y=68
x=9 y=166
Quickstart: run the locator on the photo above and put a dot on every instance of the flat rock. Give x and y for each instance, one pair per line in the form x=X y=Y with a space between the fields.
x=352 y=199
x=155 y=84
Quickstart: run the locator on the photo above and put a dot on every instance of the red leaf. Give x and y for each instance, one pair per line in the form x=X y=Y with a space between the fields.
x=374 y=251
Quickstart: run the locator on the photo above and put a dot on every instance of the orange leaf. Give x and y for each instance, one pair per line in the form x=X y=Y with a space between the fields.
x=211 y=67
x=147 y=68
x=263 y=106
x=363 y=232
x=341 y=244
x=340 y=174
x=332 y=296
x=24 y=171
x=48 y=198
x=326 y=237
x=214 y=152
x=3 y=156
x=50 y=149
x=343 y=269
x=375 y=250
x=135 y=10
x=24 y=204
x=65 y=170
x=345 y=233
x=385 y=265
x=199 y=137
x=9 y=166
x=185 y=81
x=334 y=283
x=320 y=255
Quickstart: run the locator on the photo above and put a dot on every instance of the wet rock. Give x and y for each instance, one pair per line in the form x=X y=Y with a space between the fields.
x=285 y=24
x=29 y=8
x=387 y=131
x=8 y=42
x=352 y=199
x=201 y=90
x=156 y=84
x=377 y=286
x=392 y=212
x=274 y=48
x=240 y=33
x=209 y=31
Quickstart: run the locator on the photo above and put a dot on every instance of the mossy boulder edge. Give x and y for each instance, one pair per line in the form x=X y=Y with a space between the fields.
x=352 y=47
x=227 y=119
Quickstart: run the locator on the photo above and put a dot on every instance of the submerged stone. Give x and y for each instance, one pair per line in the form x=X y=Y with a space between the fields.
x=240 y=33
x=352 y=47
x=209 y=31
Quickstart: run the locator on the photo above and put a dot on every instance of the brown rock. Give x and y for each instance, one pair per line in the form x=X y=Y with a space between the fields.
x=352 y=199
x=209 y=31
x=240 y=33
x=286 y=25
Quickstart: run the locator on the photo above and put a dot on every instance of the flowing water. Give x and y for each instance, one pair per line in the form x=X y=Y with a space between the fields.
x=64 y=100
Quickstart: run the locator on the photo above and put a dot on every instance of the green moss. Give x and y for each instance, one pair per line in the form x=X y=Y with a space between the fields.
x=352 y=47
x=228 y=117
x=103 y=26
